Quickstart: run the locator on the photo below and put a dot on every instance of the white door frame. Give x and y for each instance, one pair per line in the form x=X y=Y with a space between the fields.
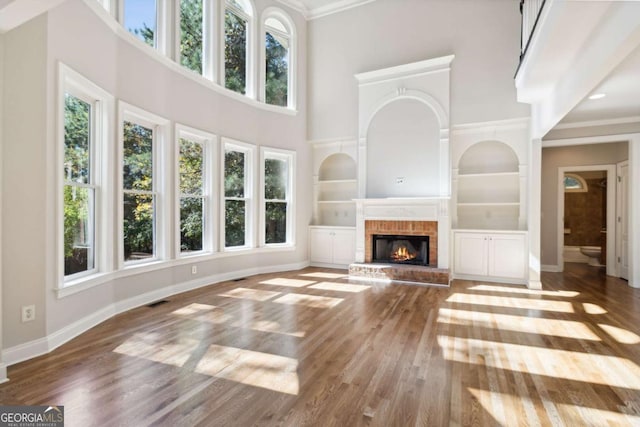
x=611 y=267
x=622 y=215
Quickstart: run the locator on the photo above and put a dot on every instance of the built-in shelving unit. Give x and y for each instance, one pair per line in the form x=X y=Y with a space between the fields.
x=335 y=188
x=488 y=188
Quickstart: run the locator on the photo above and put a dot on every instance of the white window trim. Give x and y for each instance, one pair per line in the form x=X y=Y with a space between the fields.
x=164 y=26
x=290 y=157
x=280 y=15
x=250 y=72
x=583 y=183
x=162 y=171
x=102 y=103
x=209 y=191
x=250 y=151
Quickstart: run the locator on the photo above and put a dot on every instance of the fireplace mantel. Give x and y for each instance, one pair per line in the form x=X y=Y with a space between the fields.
x=405 y=209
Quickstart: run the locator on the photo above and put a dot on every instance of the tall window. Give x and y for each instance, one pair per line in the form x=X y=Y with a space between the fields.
x=191 y=34
x=237 y=19
x=192 y=192
x=277 y=180
x=79 y=187
x=139 y=192
x=141 y=18
x=237 y=195
x=277 y=54
x=85 y=111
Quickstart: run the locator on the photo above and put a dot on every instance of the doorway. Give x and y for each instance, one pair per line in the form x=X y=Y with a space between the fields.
x=605 y=237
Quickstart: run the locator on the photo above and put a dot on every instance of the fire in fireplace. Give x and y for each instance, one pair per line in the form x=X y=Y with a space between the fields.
x=401 y=249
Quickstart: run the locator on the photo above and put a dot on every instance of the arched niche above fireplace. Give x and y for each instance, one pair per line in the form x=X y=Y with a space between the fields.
x=403 y=151
x=421 y=90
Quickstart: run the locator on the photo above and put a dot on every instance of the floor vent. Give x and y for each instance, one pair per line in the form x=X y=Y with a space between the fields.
x=157 y=303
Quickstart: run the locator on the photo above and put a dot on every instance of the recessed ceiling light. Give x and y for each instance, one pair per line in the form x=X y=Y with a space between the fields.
x=597 y=96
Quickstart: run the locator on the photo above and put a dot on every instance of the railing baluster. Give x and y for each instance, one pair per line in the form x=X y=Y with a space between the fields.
x=530 y=11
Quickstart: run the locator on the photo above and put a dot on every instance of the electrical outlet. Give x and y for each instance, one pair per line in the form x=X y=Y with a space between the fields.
x=400 y=180
x=194 y=269
x=28 y=313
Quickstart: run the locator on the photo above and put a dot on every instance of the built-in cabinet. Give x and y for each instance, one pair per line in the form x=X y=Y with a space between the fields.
x=332 y=246
x=332 y=235
x=489 y=186
x=495 y=256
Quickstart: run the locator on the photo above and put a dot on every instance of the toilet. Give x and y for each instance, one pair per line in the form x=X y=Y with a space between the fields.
x=593 y=252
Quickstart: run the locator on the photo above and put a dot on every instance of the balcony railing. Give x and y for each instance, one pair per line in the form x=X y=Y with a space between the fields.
x=530 y=11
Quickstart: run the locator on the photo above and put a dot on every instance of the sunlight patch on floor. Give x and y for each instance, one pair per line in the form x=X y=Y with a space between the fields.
x=309 y=300
x=521 y=324
x=203 y=312
x=593 y=308
x=254 y=368
x=340 y=287
x=623 y=336
x=568 y=365
x=524 y=290
x=511 y=302
x=322 y=275
x=252 y=294
x=170 y=353
x=268 y=326
x=291 y=283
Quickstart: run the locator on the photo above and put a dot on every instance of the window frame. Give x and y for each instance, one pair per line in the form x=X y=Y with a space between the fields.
x=101 y=122
x=249 y=150
x=249 y=17
x=584 y=187
x=164 y=26
x=290 y=157
x=161 y=227
x=287 y=22
x=208 y=142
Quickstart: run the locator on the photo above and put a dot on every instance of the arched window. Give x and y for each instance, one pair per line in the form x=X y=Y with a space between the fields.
x=238 y=20
x=574 y=183
x=277 y=57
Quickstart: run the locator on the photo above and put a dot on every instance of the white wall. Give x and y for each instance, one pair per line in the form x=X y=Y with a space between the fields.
x=554 y=158
x=74 y=34
x=483 y=35
x=403 y=142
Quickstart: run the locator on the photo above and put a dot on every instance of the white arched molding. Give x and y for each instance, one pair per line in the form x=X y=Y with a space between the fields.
x=424 y=81
x=287 y=22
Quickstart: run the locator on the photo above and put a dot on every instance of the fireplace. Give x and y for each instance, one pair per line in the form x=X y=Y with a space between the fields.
x=400 y=249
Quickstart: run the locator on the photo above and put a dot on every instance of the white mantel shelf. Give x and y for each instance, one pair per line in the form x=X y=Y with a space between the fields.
x=405 y=209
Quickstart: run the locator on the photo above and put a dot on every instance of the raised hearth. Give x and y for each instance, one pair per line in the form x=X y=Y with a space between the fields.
x=401 y=273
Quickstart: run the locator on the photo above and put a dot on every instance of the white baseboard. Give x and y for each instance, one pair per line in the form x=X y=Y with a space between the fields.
x=3 y=373
x=551 y=268
x=40 y=346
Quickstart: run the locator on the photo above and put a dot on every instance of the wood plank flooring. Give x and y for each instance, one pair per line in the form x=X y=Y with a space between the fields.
x=312 y=348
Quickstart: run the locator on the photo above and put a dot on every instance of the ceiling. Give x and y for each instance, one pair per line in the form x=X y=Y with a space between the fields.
x=622 y=100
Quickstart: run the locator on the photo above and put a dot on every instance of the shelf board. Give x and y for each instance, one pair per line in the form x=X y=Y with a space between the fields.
x=335 y=202
x=338 y=181
x=488 y=203
x=487 y=174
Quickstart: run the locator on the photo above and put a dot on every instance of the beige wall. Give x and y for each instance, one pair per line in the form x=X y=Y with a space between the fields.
x=557 y=157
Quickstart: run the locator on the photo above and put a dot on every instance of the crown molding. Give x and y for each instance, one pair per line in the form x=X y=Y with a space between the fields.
x=321 y=11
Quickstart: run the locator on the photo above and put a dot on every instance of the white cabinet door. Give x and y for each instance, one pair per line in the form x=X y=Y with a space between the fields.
x=507 y=256
x=471 y=253
x=344 y=247
x=321 y=245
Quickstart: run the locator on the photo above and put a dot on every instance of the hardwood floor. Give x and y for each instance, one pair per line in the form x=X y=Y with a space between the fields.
x=312 y=348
